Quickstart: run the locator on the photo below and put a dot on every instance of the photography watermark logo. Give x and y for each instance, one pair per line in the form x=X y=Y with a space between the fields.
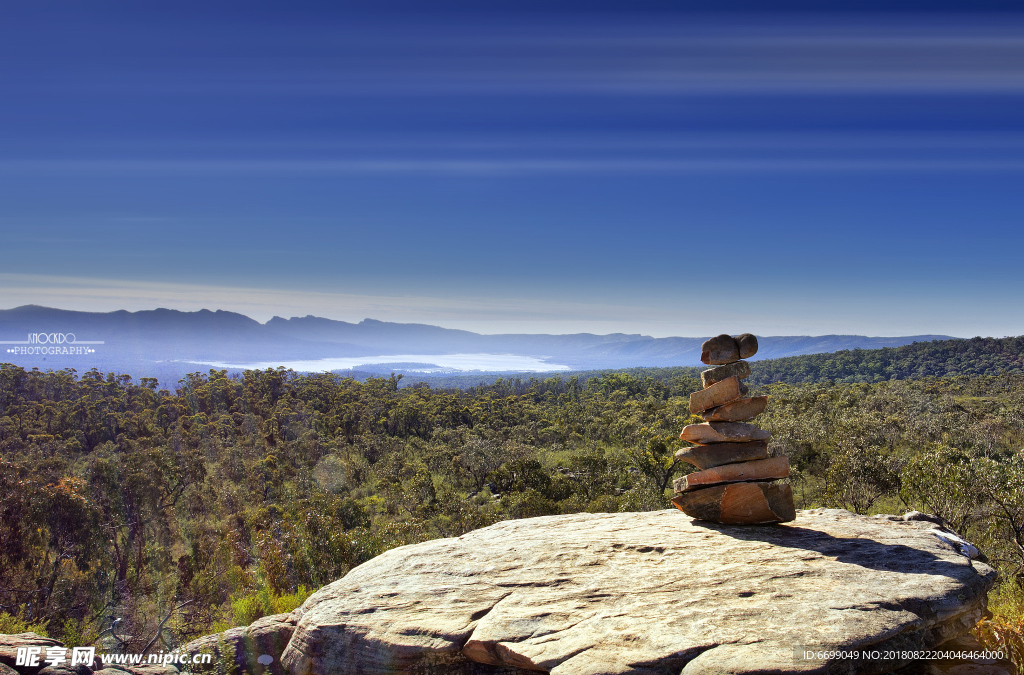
x=51 y=344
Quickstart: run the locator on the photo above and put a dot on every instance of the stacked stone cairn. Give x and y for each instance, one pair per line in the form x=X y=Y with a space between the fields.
x=734 y=485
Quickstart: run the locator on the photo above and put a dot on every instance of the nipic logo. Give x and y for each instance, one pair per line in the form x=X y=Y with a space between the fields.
x=51 y=344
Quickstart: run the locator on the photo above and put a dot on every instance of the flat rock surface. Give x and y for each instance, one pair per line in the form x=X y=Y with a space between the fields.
x=652 y=592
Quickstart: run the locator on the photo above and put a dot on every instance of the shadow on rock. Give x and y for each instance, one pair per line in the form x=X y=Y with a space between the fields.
x=867 y=553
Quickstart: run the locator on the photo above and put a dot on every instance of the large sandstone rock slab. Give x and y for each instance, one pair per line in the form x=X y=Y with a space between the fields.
x=10 y=643
x=651 y=593
x=255 y=649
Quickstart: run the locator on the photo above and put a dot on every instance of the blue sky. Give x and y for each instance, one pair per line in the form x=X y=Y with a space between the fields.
x=644 y=167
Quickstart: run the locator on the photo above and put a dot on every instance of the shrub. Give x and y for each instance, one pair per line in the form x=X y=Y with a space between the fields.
x=10 y=624
x=264 y=602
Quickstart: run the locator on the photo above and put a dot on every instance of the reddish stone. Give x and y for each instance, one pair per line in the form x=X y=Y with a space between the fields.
x=740 y=410
x=720 y=350
x=723 y=432
x=739 y=503
x=715 y=395
x=740 y=369
x=707 y=456
x=747 y=344
x=762 y=469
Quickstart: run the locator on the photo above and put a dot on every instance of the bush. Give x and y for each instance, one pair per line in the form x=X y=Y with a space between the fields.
x=604 y=504
x=643 y=498
x=10 y=625
x=528 y=504
x=1004 y=631
x=264 y=602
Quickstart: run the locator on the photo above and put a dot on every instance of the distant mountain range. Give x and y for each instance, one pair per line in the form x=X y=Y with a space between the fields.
x=167 y=343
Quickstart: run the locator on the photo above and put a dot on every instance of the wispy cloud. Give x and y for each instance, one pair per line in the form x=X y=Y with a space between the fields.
x=675 y=55
x=541 y=152
x=513 y=166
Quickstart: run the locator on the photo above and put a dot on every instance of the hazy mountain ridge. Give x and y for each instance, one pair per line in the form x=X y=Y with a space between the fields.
x=582 y=349
x=168 y=343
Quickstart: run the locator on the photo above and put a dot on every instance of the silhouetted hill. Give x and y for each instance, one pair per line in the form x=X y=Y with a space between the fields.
x=167 y=333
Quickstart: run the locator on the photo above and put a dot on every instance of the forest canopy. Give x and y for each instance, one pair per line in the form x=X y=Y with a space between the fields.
x=938 y=358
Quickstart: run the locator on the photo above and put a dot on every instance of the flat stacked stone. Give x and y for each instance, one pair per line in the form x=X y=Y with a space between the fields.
x=734 y=485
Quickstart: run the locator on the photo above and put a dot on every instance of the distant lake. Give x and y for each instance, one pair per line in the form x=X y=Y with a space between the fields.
x=423 y=363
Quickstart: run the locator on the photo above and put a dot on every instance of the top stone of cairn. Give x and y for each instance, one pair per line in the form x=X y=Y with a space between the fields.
x=724 y=349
